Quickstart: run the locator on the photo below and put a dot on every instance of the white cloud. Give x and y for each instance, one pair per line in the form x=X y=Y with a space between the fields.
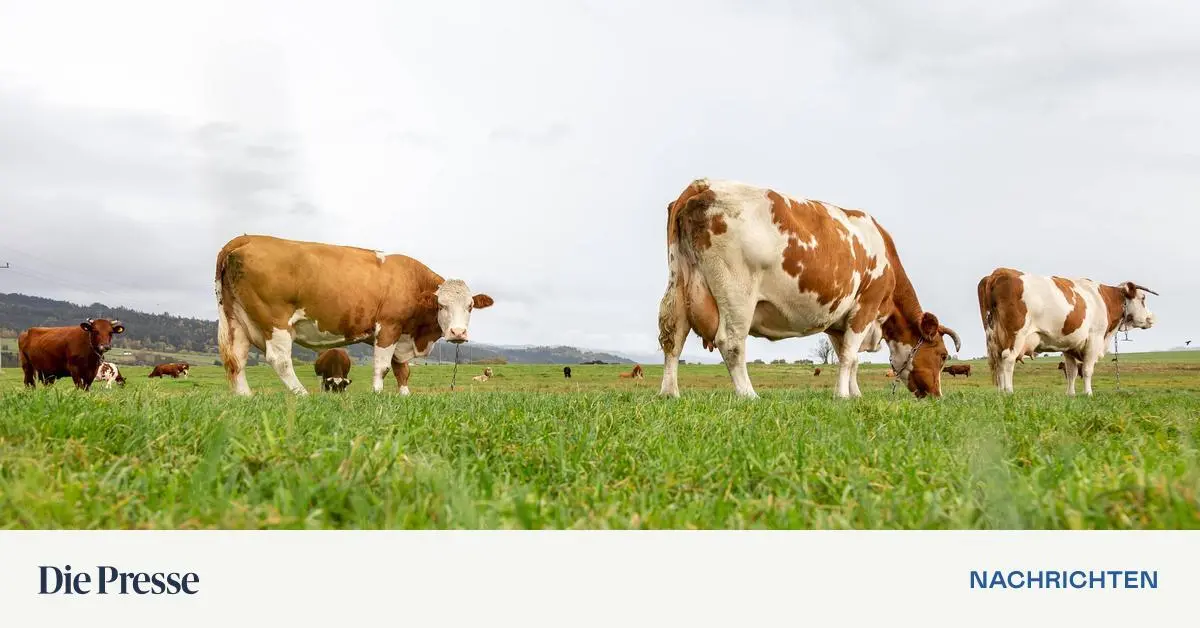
x=531 y=149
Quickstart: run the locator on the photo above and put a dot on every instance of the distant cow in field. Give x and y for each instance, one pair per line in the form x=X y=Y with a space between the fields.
x=1024 y=314
x=816 y=372
x=567 y=372
x=108 y=373
x=636 y=373
x=333 y=367
x=77 y=351
x=174 y=370
x=958 y=369
x=1063 y=367
x=890 y=374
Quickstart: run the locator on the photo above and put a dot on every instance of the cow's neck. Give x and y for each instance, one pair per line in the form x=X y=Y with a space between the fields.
x=904 y=323
x=1114 y=303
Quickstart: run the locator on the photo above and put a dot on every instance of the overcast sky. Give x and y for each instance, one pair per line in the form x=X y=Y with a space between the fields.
x=530 y=148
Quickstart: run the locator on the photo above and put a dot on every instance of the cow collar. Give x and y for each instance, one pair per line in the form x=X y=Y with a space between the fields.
x=908 y=363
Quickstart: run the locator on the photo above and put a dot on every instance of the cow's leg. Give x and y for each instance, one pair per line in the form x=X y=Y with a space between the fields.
x=1008 y=364
x=401 y=371
x=383 y=357
x=847 y=344
x=234 y=344
x=673 y=328
x=29 y=373
x=279 y=356
x=732 y=331
x=1089 y=367
x=1070 y=369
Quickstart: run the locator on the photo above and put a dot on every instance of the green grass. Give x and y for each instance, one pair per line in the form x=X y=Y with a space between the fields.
x=529 y=449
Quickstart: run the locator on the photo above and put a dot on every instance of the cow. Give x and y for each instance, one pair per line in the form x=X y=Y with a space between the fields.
x=816 y=372
x=333 y=367
x=1024 y=313
x=958 y=369
x=76 y=351
x=567 y=372
x=636 y=373
x=1078 y=369
x=890 y=373
x=273 y=292
x=480 y=378
x=749 y=261
x=108 y=373
x=174 y=370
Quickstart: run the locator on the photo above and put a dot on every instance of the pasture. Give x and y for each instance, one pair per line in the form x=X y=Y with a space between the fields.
x=529 y=449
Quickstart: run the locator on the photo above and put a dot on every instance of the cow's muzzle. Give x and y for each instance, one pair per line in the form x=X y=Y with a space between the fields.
x=457 y=335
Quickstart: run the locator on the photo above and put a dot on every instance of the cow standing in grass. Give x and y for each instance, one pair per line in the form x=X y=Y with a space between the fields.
x=1025 y=314
x=47 y=353
x=748 y=261
x=273 y=292
x=333 y=367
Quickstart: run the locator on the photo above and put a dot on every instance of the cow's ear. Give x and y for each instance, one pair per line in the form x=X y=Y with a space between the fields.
x=929 y=326
x=86 y=326
x=481 y=301
x=427 y=301
x=118 y=328
x=1130 y=289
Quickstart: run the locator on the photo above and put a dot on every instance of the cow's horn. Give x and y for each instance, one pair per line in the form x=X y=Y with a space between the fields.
x=953 y=336
x=1146 y=289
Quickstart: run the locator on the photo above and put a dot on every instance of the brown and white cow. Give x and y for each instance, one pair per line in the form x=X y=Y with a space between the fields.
x=272 y=292
x=1025 y=314
x=746 y=260
x=174 y=370
x=76 y=351
x=636 y=373
x=108 y=373
x=958 y=369
x=333 y=367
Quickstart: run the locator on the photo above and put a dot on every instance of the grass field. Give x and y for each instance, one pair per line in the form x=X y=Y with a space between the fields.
x=529 y=449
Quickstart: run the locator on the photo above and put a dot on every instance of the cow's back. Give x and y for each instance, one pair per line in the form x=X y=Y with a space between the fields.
x=332 y=363
x=50 y=348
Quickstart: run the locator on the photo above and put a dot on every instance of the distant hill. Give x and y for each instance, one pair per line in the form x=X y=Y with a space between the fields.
x=165 y=333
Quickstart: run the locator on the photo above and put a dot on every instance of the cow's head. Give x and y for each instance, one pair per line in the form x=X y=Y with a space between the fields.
x=1137 y=313
x=454 y=303
x=923 y=369
x=101 y=332
x=336 y=384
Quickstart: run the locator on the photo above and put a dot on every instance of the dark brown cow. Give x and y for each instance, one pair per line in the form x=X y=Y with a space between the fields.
x=958 y=369
x=53 y=352
x=174 y=370
x=1063 y=367
x=816 y=372
x=567 y=372
x=333 y=366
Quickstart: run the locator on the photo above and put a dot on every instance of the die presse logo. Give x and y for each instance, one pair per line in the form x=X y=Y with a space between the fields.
x=107 y=580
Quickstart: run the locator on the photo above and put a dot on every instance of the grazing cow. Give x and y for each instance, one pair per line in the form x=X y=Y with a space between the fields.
x=108 y=373
x=481 y=378
x=958 y=369
x=567 y=372
x=816 y=372
x=273 y=292
x=636 y=373
x=1024 y=313
x=52 y=352
x=1078 y=368
x=890 y=373
x=747 y=261
x=174 y=370
x=333 y=367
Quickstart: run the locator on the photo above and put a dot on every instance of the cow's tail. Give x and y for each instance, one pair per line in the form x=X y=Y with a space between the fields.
x=228 y=327
x=987 y=312
x=684 y=215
